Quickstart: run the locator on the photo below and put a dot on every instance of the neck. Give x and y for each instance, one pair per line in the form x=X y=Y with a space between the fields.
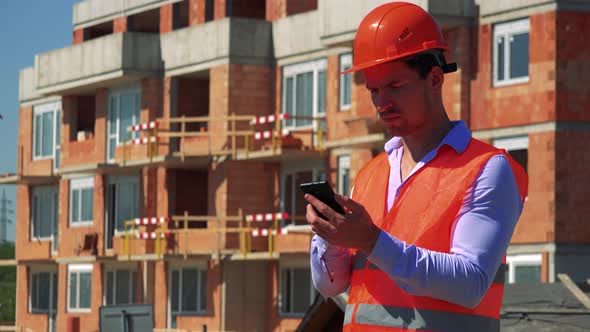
x=427 y=138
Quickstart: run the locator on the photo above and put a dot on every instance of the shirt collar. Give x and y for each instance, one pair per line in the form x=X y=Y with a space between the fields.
x=457 y=138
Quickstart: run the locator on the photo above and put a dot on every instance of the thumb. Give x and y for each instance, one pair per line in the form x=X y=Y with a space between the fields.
x=349 y=203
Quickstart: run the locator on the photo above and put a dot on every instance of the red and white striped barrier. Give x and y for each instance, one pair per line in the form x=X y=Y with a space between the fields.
x=151 y=235
x=152 y=220
x=145 y=126
x=267 y=216
x=265 y=231
x=145 y=140
x=268 y=134
x=269 y=118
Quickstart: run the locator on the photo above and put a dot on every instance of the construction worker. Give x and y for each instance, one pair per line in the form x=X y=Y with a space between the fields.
x=425 y=232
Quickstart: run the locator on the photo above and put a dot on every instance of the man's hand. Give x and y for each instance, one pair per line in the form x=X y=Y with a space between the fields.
x=354 y=229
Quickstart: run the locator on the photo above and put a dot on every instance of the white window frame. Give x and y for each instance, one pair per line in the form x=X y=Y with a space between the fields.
x=512 y=143
x=52 y=275
x=80 y=184
x=114 y=270
x=345 y=64
x=55 y=108
x=34 y=193
x=343 y=162
x=78 y=269
x=178 y=267
x=291 y=71
x=317 y=170
x=291 y=265
x=116 y=94
x=507 y=30
x=514 y=261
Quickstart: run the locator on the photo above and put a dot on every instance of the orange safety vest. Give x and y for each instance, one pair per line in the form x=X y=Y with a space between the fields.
x=422 y=215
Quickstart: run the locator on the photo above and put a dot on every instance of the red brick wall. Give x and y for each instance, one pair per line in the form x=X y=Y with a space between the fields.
x=25 y=319
x=456 y=87
x=166 y=18
x=573 y=96
x=275 y=10
x=120 y=24
x=219 y=9
x=518 y=104
x=572 y=187
x=78 y=36
x=196 y=12
x=537 y=222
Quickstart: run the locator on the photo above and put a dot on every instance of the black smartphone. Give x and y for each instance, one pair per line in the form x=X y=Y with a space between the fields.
x=322 y=191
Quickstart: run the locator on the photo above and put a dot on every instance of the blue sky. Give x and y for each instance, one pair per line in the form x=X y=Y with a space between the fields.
x=27 y=27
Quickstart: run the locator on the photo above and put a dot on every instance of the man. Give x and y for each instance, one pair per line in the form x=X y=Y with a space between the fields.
x=426 y=230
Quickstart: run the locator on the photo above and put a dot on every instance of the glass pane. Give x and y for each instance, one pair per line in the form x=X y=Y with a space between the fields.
x=133 y=287
x=44 y=284
x=189 y=289
x=112 y=146
x=45 y=213
x=302 y=280
x=285 y=290
x=203 y=291
x=85 y=289
x=35 y=291
x=126 y=115
x=75 y=205
x=304 y=98
x=174 y=290
x=500 y=55
x=322 y=92
x=113 y=116
x=345 y=87
x=289 y=101
x=38 y=134
x=73 y=290
x=47 y=148
x=54 y=294
x=87 y=204
x=300 y=202
x=527 y=273
x=127 y=204
x=109 y=289
x=521 y=157
x=122 y=292
x=57 y=129
x=519 y=55
x=57 y=160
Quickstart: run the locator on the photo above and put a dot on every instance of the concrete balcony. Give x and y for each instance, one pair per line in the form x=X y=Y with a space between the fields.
x=98 y=63
x=235 y=40
x=297 y=35
x=89 y=12
x=340 y=18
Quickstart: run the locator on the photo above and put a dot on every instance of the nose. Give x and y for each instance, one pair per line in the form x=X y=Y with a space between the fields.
x=381 y=99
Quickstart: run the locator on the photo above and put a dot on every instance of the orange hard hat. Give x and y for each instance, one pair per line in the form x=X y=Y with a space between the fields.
x=394 y=31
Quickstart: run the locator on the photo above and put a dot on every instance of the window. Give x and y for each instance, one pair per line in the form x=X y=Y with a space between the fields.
x=122 y=200
x=44 y=203
x=124 y=108
x=42 y=291
x=296 y=291
x=344 y=175
x=120 y=286
x=524 y=268
x=517 y=148
x=47 y=132
x=345 y=81
x=304 y=93
x=81 y=201
x=293 y=201
x=79 y=287
x=188 y=292
x=511 y=52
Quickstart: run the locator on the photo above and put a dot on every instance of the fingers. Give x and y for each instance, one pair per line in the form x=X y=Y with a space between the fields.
x=322 y=208
x=318 y=225
x=348 y=204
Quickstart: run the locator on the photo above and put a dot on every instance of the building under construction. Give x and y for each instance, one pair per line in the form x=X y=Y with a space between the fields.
x=159 y=155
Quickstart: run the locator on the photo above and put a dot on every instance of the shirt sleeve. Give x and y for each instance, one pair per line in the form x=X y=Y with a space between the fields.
x=479 y=239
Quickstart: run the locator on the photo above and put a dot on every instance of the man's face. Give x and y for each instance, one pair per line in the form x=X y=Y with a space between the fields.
x=401 y=97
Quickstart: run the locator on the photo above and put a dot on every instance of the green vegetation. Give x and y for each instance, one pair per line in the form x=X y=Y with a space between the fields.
x=7 y=285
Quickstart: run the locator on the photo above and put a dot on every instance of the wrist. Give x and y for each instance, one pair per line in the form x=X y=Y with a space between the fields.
x=372 y=238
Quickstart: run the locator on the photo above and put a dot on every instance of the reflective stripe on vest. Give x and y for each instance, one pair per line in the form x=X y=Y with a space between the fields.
x=360 y=263
x=419 y=319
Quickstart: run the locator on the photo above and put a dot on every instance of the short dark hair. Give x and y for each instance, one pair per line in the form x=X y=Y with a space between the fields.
x=423 y=63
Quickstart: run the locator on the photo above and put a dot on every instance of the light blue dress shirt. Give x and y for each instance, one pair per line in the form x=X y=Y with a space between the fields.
x=479 y=237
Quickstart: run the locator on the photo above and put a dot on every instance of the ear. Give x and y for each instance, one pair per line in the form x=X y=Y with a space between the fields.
x=436 y=78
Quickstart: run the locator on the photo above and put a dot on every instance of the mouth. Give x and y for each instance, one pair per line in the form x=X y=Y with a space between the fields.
x=389 y=114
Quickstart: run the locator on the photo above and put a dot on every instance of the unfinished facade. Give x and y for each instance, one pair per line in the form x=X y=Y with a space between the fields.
x=159 y=156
